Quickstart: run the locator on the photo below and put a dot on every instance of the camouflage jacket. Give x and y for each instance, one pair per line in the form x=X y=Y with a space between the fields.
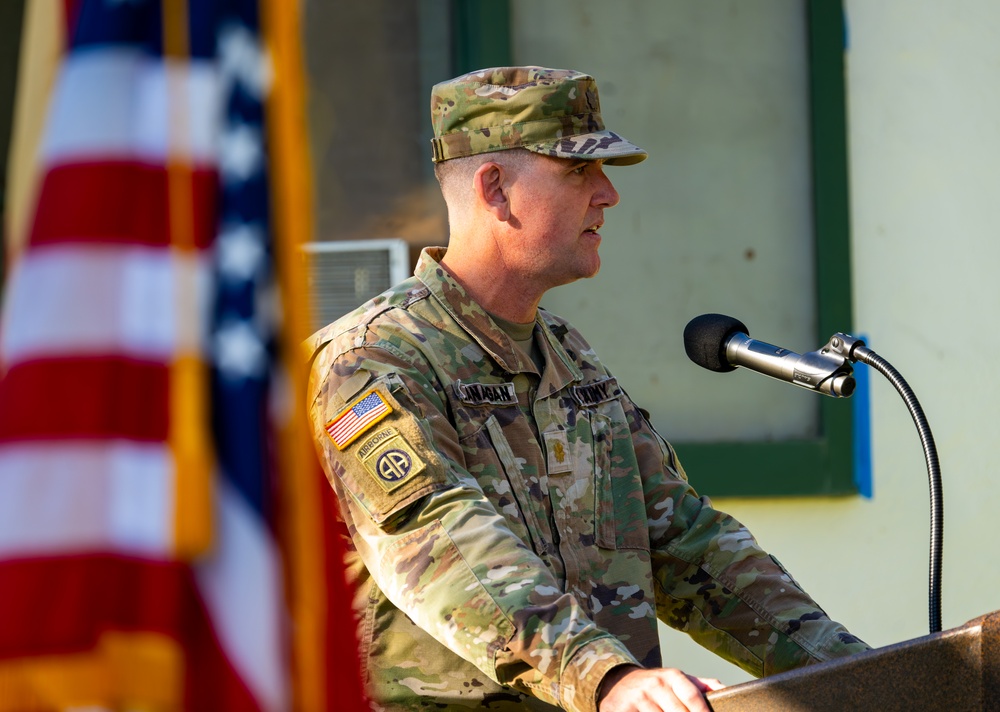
x=516 y=534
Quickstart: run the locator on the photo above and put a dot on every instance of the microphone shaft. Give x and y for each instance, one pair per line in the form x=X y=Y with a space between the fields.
x=821 y=371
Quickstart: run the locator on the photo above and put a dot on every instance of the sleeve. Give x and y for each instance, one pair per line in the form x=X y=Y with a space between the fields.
x=434 y=543
x=714 y=581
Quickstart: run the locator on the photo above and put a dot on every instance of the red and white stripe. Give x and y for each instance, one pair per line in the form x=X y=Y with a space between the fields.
x=96 y=310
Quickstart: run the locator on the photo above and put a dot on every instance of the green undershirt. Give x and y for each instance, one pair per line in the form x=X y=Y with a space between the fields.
x=523 y=335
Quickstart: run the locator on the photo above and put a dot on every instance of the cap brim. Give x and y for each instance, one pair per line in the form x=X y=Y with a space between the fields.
x=599 y=145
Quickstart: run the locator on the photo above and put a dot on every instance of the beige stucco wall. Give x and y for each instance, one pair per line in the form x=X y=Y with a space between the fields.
x=924 y=131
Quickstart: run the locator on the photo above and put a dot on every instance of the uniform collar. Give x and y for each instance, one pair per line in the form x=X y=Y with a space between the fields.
x=559 y=371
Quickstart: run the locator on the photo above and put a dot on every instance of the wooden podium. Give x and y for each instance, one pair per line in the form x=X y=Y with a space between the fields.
x=957 y=669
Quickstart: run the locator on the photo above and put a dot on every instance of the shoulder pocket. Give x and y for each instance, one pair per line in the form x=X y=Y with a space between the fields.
x=380 y=451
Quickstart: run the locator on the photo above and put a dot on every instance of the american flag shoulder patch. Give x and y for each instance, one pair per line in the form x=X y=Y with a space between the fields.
x=349 y=425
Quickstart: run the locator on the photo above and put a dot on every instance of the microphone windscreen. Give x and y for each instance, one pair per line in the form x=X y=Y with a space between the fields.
x=705 y=340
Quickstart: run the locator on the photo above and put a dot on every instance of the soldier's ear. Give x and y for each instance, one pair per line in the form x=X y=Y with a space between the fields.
x=490 y=184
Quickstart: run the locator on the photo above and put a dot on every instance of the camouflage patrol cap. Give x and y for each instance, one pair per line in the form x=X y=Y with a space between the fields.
x=555 y=112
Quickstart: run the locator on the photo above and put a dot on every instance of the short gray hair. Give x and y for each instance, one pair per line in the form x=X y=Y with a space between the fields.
x=456 y=173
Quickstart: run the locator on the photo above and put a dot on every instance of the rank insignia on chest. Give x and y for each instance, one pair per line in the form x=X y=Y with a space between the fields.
x=389 y=458
x=559 y=455
x=353 y=422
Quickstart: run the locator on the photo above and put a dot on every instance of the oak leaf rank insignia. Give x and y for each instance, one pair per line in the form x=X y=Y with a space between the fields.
x=560 y=457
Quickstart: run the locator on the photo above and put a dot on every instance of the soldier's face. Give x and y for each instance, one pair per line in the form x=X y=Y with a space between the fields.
x=558 y=209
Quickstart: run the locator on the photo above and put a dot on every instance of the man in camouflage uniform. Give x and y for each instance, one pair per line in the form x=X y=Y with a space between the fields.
x=518 y=525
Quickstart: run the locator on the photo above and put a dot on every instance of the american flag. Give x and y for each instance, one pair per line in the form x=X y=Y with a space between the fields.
x=355 y=420
x=164 y=542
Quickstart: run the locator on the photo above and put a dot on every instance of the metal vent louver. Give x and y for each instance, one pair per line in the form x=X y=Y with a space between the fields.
x=344 y=274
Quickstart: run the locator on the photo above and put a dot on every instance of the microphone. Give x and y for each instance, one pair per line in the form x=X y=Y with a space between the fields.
x=721 y=343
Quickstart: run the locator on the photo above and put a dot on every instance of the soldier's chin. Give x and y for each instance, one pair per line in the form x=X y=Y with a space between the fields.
x=596 y=268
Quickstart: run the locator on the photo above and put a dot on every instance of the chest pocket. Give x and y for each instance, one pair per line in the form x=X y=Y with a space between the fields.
x=619 y=506
x=509 y=480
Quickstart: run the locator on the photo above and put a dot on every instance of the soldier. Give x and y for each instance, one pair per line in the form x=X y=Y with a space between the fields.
x=517 y=525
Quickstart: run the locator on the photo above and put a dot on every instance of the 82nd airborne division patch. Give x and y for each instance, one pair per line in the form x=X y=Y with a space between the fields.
x=389 y=458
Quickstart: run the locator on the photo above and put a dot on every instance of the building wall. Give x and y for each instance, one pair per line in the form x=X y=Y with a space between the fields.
x=924 y=131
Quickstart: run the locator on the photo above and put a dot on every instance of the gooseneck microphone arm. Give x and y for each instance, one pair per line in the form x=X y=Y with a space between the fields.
x=721 y=343
x=856 y=350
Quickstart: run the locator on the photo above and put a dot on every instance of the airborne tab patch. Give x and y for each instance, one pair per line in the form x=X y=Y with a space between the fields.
x=593 y=393
x=486 y=393
x=354 y=421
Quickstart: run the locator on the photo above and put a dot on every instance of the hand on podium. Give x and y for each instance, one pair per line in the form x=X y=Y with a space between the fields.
x=630 y=688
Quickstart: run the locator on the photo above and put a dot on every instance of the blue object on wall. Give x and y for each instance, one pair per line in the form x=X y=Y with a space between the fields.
x=861 y=402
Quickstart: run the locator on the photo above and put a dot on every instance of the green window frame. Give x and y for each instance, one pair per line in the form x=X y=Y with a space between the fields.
x=822 y=465
x=817 y=466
